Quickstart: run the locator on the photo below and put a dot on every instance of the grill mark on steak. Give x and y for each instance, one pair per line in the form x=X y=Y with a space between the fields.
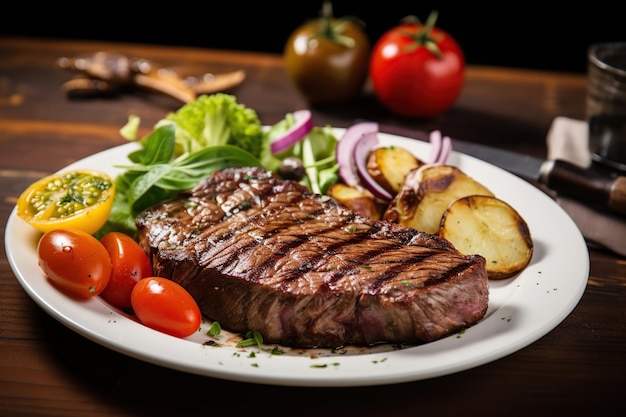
x=263 y=254
x=311 y=263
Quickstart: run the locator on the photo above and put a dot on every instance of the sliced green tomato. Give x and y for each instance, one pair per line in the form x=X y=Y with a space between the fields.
x=79 y=199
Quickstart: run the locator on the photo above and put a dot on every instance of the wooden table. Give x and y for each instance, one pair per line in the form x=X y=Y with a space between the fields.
x=48 y=370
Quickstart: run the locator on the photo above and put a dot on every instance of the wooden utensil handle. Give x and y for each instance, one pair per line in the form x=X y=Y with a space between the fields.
x=587 y=185
x=617 y=197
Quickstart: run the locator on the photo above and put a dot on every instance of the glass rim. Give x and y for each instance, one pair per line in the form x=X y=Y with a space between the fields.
x=598 y=51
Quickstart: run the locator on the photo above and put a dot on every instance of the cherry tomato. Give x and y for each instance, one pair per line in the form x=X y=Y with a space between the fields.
x=166 y=306
x=327 y=58
x=417 y=70
x=74 y=261
x=130 y=264
x=78 y=199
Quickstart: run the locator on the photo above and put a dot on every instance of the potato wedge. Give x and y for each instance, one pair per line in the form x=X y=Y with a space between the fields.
x=426 y=194
x=358 y=200
x=389 y=165
x=490 y=227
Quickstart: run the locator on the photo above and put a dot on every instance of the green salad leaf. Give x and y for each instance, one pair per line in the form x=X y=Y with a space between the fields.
x=202 y=137
x=316 y=151
x=155 y=175
x=215 y=119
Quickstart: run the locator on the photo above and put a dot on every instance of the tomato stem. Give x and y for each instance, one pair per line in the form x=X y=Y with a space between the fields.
x=423 y=37
x=331 y=28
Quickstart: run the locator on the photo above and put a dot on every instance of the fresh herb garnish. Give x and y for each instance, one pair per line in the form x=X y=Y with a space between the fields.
x=215 y=329
x=252 y=338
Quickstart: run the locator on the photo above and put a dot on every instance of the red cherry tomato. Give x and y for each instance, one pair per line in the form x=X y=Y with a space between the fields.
x=130 y=264
x=417 y=70
x=75 y=261
x=164 y=305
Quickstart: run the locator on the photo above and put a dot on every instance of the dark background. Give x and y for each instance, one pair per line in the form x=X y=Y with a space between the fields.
x=534 y=35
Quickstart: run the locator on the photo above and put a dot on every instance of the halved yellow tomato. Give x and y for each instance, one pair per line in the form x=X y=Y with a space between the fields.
x=79 y=199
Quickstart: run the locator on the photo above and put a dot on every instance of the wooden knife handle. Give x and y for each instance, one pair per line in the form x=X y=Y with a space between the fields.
x=617 y=198
x=586 y=185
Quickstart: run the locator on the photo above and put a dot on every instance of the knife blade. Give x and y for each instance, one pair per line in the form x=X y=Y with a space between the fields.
x=591 y=187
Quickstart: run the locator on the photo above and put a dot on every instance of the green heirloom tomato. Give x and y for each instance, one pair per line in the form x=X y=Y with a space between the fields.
x=327 y=58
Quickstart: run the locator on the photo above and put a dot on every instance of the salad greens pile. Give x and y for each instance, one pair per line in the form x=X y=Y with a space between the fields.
x=316 y=150
x=215 y=120
x=206 y=135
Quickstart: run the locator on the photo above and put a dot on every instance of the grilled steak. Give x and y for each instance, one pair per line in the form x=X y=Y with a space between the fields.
x=261 y=253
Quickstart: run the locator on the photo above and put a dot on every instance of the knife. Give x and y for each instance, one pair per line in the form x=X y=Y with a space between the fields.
x=591 y=187
x=595 y=188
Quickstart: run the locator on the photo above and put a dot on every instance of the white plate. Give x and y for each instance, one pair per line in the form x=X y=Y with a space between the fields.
x=521 y=310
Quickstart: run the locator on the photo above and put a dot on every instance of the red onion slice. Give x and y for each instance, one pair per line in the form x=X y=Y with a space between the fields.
x=440 y=148
x=302 y=126
x=363 y=147
x=435 y=146
x=446 y=148
x=344 y=153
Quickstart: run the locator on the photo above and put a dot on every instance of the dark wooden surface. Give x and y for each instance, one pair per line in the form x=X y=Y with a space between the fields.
x=48 y=370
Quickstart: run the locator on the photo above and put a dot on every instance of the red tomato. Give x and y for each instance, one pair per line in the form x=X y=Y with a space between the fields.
x=417 y=70
x=74 y=261
x=130 y=264
x=164 y=305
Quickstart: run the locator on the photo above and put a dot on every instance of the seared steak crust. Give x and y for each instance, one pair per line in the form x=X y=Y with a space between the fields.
x=260 y=253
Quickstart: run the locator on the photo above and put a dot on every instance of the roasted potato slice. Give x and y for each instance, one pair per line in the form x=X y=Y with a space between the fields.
x=426 y=194
x=360 y=201
x=490 y=227
x=389 y=165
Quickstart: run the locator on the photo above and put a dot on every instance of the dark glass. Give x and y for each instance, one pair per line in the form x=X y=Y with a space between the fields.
x=606 y=104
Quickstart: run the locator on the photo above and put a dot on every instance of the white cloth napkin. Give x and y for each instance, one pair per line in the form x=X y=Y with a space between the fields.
x=567 y=140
